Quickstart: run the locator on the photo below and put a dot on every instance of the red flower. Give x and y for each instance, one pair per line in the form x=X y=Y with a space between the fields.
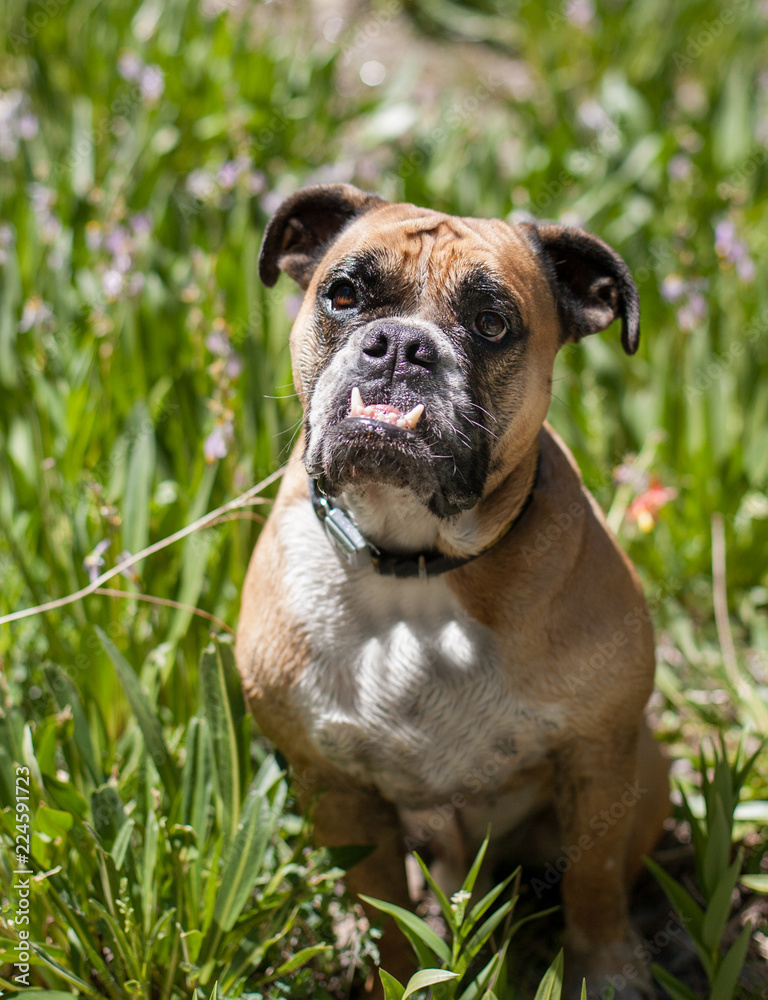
x=644 y=509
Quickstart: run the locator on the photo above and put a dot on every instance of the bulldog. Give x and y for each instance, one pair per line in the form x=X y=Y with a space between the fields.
x=438 y=629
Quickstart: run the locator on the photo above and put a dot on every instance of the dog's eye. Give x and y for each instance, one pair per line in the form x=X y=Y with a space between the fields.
x=491 y=325
x=342 y=295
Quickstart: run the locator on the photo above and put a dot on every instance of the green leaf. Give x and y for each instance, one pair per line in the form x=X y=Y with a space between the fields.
x=488 y=899
x=413 y=928
x=65 y=693
x=108 y=814
x=145 y=715
x=122 y=843
x=538 y=915
x=301 y=958
x=740 y=776
x=148 y=882
x=242 y=861
x=480 y=984
x=193 y=940
x=478 y=939
x=66 y=797
x=551 y=984
x=583 y=989
x=719 y=905
x=469 y=882
x=718 y=850
x=195 y=555
x=46 y=994
x=82 y=932
x=393 y=990
x=443 y=901
x=223 y=712
x=732 y=120
x=210 y=895
x=757 y=883
x=730 y=967
x=697 y=833
x=119 y=943
x=137 y=495
x=190 y=773
x=30 y=758
x=687 y=909
x=427 y=977
x=673 y=986
x=349 y=856
x=686 y=906
x=53 y=822
x=82 y=153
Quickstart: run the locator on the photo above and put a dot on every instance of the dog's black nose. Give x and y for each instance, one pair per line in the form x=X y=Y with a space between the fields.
x=399 y=348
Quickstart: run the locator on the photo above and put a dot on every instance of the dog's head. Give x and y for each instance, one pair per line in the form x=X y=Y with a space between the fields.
x=424 y=347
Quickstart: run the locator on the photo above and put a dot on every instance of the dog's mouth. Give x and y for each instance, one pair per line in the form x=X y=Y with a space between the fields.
x=384 y=412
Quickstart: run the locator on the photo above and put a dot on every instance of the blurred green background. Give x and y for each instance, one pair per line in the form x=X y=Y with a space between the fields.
x=144 y=372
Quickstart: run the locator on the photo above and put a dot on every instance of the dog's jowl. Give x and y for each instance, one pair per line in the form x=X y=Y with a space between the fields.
x=434 y=576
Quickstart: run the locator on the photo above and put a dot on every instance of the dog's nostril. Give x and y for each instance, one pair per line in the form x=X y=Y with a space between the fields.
x=376 y=344
x=421 y=352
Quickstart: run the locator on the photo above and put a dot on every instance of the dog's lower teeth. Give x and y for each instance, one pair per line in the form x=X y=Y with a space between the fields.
x=383 y=412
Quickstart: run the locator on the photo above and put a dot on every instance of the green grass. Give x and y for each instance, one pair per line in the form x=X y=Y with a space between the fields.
x=133 y=327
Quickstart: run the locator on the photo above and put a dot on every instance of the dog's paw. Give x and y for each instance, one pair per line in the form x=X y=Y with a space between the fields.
x=615 y=966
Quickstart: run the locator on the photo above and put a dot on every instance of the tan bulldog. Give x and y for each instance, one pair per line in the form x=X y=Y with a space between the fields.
x=438 y=629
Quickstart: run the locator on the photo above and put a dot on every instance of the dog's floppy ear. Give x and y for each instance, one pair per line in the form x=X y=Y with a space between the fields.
x=593 y=285
x=303 y=227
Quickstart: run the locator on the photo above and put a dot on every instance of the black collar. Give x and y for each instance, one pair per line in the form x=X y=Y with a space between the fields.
x=355 y=548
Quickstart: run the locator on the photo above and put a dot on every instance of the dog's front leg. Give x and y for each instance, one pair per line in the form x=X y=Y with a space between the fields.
x=598 y=799
x=351 y=815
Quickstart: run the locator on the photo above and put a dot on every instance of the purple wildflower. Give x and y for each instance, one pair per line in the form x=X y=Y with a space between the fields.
x=692 y=312
x=672 y=288
x=152 y=83
x=112 y=283
x=94 y=561
x=229 y=174
x=733 y=250
x=35 y=314
x=217 y=443
x=580 y=12
x=234 y=366
x=129 y=65
x=679 y=167
x=201 y=184
x=130 y=573
x=217 y=342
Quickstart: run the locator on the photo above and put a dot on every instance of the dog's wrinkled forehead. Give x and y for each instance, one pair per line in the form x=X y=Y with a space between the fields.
x=420 y=259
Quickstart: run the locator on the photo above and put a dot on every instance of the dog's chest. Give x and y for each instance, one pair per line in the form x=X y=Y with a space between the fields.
x=403 y=690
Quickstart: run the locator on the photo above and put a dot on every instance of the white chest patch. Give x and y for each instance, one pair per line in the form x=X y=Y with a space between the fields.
x=404 y=690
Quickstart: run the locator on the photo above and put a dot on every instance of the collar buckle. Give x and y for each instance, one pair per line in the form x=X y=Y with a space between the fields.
x=344 y=535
